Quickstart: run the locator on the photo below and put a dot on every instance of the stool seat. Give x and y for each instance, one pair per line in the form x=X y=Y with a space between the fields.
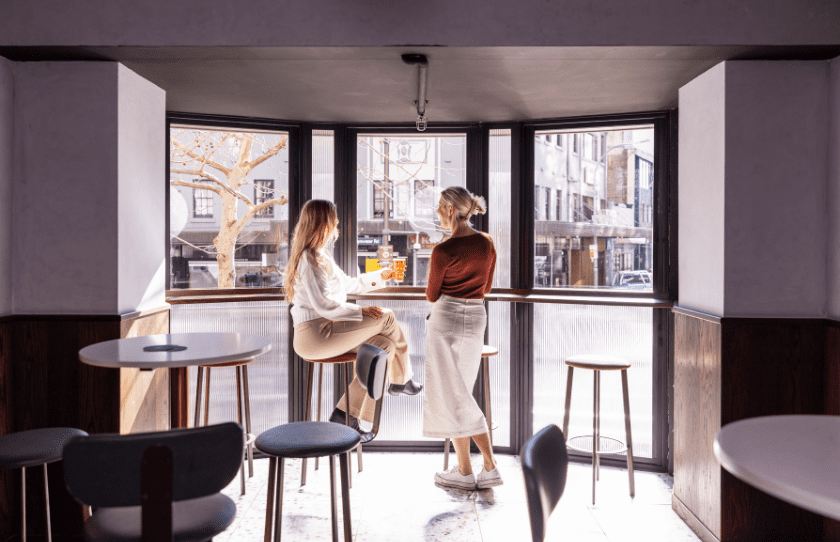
x=35 y=447
x=343 y=358
x=488 y=351
x=308 y=439
x=598 y=362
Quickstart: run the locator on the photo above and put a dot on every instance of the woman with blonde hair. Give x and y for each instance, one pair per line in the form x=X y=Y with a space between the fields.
x=460 y=274
x=325 y=324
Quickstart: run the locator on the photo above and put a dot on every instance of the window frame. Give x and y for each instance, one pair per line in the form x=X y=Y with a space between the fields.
x=260 y=196
x=203 y=194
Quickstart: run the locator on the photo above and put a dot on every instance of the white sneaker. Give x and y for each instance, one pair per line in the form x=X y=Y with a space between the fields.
x=454 y=479
x=487 y=479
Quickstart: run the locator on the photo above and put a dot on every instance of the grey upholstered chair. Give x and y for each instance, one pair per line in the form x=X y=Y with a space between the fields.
x=151 y=486
x=544 y=467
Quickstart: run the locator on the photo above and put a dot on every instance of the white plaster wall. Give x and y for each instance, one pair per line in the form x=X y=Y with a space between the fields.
x=701 y=192
x=833 y=201
x=776 y=214
x=261 y=23
x=6 y=168
x=142 y=201
x=65 y=199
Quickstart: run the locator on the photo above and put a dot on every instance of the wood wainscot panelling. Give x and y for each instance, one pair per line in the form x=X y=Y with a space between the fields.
x=47 y=386
x=697 y=391
x=729 y=369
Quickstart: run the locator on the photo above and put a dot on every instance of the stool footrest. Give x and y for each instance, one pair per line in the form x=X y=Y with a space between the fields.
x=606 y=445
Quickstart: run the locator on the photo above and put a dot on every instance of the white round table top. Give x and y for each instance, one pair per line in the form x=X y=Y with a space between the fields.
x=795 y=458
x=202 y=349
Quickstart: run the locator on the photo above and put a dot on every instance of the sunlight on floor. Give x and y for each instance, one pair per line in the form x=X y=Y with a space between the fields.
x=395 y=498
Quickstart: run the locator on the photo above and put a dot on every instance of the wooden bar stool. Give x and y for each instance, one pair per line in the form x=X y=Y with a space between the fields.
x=243 y=403
x=598 y=363
x=487 y=352
x=35 y=447
x=347 y=359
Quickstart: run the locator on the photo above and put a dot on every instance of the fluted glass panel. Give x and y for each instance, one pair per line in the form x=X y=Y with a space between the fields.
x=499 y=204
x=323 y=164
x=268 y=375
x=402 y=416
x=561 y=331
x=499 y=336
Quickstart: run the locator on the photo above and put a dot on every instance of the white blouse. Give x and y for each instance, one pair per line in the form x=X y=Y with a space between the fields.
x=319 y=294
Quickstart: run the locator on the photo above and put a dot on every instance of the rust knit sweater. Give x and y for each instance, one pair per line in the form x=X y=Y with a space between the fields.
x=462 y=267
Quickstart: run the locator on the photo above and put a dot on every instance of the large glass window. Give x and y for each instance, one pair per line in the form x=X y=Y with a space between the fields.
x=399 y=179
x=609 y=215
x=232 y=178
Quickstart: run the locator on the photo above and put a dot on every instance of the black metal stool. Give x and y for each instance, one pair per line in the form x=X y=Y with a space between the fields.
x=600 y=363
x=346 y=359
x=35 y=447
x=487 y=352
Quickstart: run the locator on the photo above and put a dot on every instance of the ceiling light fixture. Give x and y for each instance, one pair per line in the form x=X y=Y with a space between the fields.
x=422 y=63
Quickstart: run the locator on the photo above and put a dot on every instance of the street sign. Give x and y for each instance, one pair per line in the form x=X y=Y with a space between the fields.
x=593 y=252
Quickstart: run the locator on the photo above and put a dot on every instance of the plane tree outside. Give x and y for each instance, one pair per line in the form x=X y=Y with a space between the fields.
x=221 y=163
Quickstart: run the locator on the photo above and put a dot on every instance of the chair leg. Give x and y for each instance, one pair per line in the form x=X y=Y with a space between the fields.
x=198 y=378
x=626 y=394
x=446 y=454
x=278 y=500
x=488 y=403
x=598 y=462
x=248 y=420
x=567 y=411
x=307 y=416
x=207 y=398
x=359 y=456
x=333 y=503
x=320 y=390
x=47 y=500
x=23 y=503
x=239 y=418
x=269 y=505
x=345 y=500
x=347 y=416
x=595 y=436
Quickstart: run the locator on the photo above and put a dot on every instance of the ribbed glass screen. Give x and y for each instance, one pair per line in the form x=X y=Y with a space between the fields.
x=561 y=331
x=323 y=164
x=268 y=375
x=499 y=204
x=499 y=336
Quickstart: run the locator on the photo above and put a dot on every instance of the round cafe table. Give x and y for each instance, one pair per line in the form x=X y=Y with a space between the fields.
x=795 y=458
x=175 y=351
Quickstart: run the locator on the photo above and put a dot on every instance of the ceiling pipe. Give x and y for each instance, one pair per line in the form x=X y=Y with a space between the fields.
x=422 y=64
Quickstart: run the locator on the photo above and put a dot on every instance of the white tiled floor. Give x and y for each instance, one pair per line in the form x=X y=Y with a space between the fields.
x=395 y=499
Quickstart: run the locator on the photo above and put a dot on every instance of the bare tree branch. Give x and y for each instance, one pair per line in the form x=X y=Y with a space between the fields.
x=200 y=158
x=200 y=186
x=200 y=173
x=270 y=152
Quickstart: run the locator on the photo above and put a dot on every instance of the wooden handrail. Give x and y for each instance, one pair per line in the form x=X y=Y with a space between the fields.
x=409 y=293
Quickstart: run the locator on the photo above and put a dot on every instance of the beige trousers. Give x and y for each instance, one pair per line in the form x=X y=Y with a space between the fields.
x=322 y=338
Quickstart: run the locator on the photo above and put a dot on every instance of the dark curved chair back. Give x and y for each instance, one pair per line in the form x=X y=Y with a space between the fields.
x=544 y=466
x=104 y=470
x=371 y=365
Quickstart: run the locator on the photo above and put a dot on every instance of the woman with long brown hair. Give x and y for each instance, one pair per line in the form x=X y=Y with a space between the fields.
x=325 y=324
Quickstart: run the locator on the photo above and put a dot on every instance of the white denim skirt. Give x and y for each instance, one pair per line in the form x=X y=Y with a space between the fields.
x=454 y=339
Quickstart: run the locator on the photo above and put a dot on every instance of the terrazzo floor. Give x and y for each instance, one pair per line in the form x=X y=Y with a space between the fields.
x=395 y=499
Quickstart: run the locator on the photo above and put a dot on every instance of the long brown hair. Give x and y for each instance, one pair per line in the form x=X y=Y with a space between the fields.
x=317 y=219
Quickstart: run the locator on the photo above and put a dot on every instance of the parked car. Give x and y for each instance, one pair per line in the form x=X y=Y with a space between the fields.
x=633 y=280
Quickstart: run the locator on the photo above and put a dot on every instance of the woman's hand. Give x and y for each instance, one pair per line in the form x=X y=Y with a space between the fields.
x=388 y=273
x=373 y=312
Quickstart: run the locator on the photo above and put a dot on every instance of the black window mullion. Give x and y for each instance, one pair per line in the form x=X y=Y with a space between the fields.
x=300 y=189
x=346 y=198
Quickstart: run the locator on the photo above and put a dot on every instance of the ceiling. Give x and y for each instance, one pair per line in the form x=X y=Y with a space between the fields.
x=372 y=84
